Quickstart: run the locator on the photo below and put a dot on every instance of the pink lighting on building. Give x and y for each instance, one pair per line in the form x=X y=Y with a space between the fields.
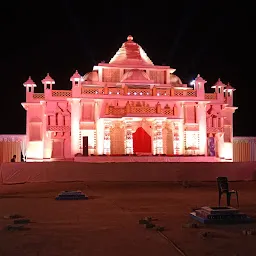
x=129 y=106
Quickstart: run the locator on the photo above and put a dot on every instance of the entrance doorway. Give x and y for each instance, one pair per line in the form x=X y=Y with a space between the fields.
x=57 y=149
x=141 y=141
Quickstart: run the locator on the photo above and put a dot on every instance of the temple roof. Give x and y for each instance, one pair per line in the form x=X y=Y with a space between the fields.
x=131 y=53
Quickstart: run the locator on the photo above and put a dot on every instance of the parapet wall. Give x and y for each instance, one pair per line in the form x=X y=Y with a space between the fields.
x=14 y=173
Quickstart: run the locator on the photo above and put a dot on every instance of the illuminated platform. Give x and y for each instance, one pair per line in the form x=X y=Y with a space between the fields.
x=144 y=159
x=17 y=173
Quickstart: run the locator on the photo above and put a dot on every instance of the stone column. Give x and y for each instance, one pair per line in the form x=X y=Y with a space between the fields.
x=75 y=123
x=201 y=113
x=177 y=138
x=99 y=136
x=106 y=147
x=159 y=136
x=220 y=145
x=128 y=137
x=45 y=135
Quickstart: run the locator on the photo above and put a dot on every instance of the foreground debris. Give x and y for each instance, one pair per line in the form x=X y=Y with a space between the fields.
x=19 y=222
x=148 y=223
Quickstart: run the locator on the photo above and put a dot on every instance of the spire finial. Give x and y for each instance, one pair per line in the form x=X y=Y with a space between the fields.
x=129 y=38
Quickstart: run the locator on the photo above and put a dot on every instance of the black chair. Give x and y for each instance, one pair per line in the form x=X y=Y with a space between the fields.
x=224 y=189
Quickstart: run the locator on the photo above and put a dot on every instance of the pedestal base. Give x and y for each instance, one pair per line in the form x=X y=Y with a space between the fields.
x=220 y=215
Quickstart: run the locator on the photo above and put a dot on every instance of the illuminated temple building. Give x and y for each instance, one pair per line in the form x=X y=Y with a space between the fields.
x=129 y=106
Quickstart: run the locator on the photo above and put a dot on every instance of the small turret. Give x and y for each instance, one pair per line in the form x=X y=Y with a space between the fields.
x=219 y=89
x=76 y=79
x=219 y=86
x=199 y=86
x=30 y=85
x=48 y=82
x=229 y=94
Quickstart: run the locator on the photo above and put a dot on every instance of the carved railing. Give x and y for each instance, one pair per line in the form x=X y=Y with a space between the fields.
x=117 y=111
x=92 y=90
x=139 y=110
x=116 y=91
x=210 y=96
x=163 y=92
x=140 y=92
x=190 y=93
x=56 y=128
x=38 y=96
x=143 y=110
x=167 y=111
x=61 y=93
x=214 y=129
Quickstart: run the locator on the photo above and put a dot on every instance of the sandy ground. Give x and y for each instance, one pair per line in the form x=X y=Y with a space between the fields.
x=107 y=223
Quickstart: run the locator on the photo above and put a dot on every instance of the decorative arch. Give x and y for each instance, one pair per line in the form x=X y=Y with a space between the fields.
x=142 y=141
x=117 y=146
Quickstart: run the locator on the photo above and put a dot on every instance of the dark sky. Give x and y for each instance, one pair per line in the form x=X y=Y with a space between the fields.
x=206 y=37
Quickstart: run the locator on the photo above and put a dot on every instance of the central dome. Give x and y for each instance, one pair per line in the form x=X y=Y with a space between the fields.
x=131 y=53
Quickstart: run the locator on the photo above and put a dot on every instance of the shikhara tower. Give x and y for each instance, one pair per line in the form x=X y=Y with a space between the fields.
x=129 y=106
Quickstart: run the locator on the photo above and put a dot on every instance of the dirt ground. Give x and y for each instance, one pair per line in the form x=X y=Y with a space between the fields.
x=107 y=223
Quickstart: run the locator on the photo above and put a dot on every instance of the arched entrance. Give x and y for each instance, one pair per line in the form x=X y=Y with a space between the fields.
x=116 y=140
x=168 y=141
x=141 y=141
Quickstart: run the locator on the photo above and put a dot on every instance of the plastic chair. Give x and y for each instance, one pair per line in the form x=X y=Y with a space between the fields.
x=224 y=189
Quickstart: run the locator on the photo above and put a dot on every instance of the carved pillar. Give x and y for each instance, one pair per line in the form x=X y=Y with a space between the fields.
x=215 y=122
x=100 y=136
x=47 y=150
x=106 y=109
x=128 y=137
x=221 y=124
x=106 y=89
x=209 y=121
x=106 y=147
x=158 y=125
x=158 y=108
x=154 y=91
x=75 y=129
x=128 y=107
x=220 y=145
x=201 y=113
x=175 y=110
x=125 y=90
x=178 y=138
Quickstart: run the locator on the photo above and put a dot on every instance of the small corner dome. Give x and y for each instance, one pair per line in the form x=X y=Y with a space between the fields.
x=76 y=76
x=229 y=88
x=218 y=84
x=91 y=76
x=175 y=80
x=29 y=83
x=48 y=80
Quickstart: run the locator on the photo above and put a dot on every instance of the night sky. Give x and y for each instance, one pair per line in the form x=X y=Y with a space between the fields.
x=214 y=40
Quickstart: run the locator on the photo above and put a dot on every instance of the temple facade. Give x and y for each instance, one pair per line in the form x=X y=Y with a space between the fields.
x=129 y=106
